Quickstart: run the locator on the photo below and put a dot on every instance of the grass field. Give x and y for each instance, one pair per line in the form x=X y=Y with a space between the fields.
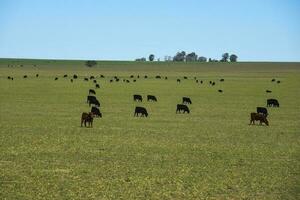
x=212 y=153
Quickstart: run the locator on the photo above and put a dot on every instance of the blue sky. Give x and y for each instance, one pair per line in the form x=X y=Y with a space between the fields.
x=255 y=30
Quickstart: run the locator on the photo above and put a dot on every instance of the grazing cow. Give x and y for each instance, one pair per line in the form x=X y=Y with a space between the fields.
x=9 y=77
x=90 y=98
x=111 y=80
x=117 y=80
x=213 y=83
x=92 y=77
x=151 y=98
x=95 y=102
x=181 y=107
x=86 y=79
x=262 y=110
x=65 y=76
x=71 y=80
x=195 y=78
x=12 y=78
x=220 y=91
x=95 y=81
x=127 y=81
x=272 y=103
x=278 y=82
x=75 y=76
x=201 y=81
x=138 y=76
x=96 y=112
x=87 y=118
x=131 y=76
x=37 y=75
x=158 y=77
x=186 y=100
x=101 y=76
x=210 y=82
x=185 y=77
x=137 y=97
x=115 y=77
x=166 y=78
x=273 y=80
x=178 y=80
x=268 y=91
x=91 y=91
x=25 y=76
x=56 y=79
x=145 y=76
x=140 y=110
x=222 y=80
x=258 y=117
x=97 y=86
x=197 y=81
x=134 y=80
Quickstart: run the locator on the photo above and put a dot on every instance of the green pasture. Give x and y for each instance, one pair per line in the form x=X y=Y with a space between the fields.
x=211 y=153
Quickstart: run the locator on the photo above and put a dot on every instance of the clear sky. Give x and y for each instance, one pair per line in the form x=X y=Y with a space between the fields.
x=255 y=30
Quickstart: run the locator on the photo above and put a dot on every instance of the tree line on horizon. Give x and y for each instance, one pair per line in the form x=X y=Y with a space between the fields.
x=190 y=57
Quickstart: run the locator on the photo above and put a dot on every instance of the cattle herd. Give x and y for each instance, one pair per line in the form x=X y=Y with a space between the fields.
x=261 y=114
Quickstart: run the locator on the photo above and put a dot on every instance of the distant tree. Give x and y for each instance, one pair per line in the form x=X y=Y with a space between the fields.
x=202 y=59
x=151 y=57
x=90 y=63
x=191 y=57
x=209 y=60
x=180 y=56
x=225 y=57
x=233 y=58
x=140 y=59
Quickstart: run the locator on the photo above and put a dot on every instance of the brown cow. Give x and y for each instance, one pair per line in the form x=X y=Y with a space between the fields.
x=87 y=118
x=258 y=117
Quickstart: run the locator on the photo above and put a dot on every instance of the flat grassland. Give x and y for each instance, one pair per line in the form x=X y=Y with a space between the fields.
x=211 y=153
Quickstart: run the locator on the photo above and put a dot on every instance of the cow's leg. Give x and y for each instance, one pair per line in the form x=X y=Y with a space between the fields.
x=81 y=122
x=84 y=123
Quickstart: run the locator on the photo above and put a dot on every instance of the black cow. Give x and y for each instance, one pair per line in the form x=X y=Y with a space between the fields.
x=117 y=80
x=91 y=91
x=210 y=82
x=138 y=76
x=127 y=81
x=25 y=76
x=75 y=76
x=65 y=76
x=273 y=80
x=186 y=100
x=272 y=103
x=158 y=77
x=278 y=82
x=145 y=76
x=111 y=80
x=37 y=75
x=102 y=76
x=166 y=78
x=201 y=81
x=95 y=81
x=86 y=79
x=90 y=99
x=181 y=107
x=87 y=118
x=140 y=110
x=151 y=98
x=220 y=91
x=131 y=76
x=178 y=80
x=222 y=80
x=137 y=97
x=56 y=79
x=71 y=80
x=96 y=112
x=268 y=91
x=9 y=77
x=262 y=110
x=197 y=81
x=185 y=77
x=92 y=77
x=97 y=86
x=95 y=102
x=213 y=83
x=258 y=117
x=134 y=80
